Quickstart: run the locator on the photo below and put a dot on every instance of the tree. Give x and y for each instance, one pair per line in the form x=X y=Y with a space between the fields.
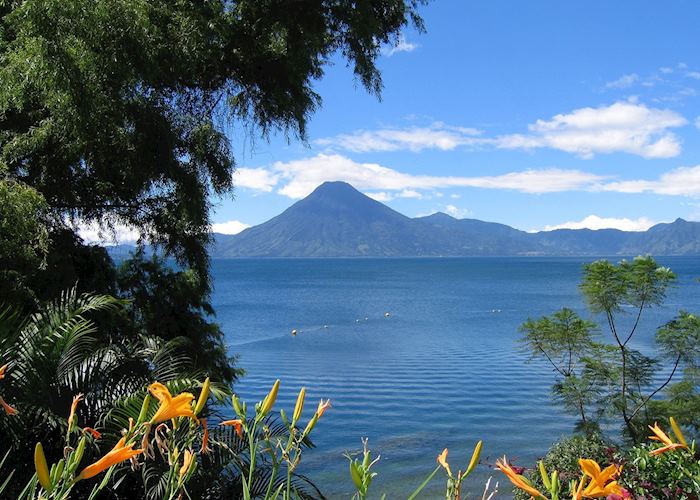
x=614 y=380
x=116 y=112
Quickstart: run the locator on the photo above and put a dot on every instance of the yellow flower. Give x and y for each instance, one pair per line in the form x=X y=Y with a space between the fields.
x=186 y=463
x=270 y=399
x=518 y=480
x=8 y=409
x=42 y=469
x=74 y=405
x=119 y=453
x=660 y=435
x=238 y=424
x=299 y=407
x=442 y=460
x=3 y=369
x=170 y=407
x=602 y=481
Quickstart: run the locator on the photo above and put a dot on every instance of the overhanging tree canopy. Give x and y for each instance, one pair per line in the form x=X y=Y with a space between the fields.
x=114 y=109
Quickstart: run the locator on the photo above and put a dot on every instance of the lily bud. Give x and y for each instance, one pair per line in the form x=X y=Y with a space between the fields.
x=203 y=396
x=240 y=410
x=545 y=477
x=270 y=399
x=300 y=405
x=475 y=458
x=42 y=469
x=677 y=431
x=145 y=406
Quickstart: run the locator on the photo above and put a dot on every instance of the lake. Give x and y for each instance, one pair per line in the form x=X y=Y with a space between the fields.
x=443 y=369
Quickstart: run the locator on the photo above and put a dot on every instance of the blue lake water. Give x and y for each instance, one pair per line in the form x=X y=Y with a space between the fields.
x=443 y=370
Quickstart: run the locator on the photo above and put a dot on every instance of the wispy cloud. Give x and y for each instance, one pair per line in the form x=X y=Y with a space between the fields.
x=402 y=45
x=435 y=136
x=229 y=227
x=623 y=82
x=624 y=126
x=296 y=179
x=597 y=222
x=684 y=181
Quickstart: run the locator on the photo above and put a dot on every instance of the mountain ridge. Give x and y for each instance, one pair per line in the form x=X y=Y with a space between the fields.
x=336 y=220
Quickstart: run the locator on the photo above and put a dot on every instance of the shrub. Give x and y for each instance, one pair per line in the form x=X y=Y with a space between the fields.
x=564 y=457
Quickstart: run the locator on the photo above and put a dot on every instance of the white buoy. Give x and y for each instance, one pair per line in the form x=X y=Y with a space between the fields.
x=294 y=333
x=325 y=326
x=386 y=315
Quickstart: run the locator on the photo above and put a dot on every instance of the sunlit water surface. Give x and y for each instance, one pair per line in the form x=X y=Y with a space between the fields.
x=444 y=369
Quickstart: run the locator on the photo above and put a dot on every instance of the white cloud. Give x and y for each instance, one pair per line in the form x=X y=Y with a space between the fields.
x=382 y=196
x=258 y=179
x=402 y=45
x=435 y=136
x=298 y=178
x=596 y=222
x=628 y=127
x=119 y=233
x=684 y=181
x=458 y=213
x=620 y=127
x=229 y=227
x=623 y=82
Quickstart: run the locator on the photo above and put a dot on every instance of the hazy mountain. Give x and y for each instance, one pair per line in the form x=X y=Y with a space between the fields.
x=336 y=220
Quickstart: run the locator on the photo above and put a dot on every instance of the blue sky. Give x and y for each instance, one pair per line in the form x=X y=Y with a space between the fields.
x=534 y=114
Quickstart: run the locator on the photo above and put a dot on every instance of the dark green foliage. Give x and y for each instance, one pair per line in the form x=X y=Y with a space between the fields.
x=674 y=475
x=172 y=303
x=564 y=455
x=24 y=240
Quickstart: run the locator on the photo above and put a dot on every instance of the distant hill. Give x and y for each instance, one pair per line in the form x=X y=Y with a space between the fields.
x=336 y=220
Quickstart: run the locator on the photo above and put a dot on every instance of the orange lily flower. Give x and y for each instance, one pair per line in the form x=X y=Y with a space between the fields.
x=3 y=369
x=660 y=435
x=170 y=407
x=577 y=494
x=74 y=405
x=322 y=407
x=95 y=434
x=518 y=480
x=442 y=460
x=119 y=453
x=602 y=481
x=237 y=423
x=205 y=437
x=8 y=409
x=186 y=462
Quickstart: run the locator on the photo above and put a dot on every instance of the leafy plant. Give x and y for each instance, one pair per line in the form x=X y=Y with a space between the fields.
x=596 y=380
